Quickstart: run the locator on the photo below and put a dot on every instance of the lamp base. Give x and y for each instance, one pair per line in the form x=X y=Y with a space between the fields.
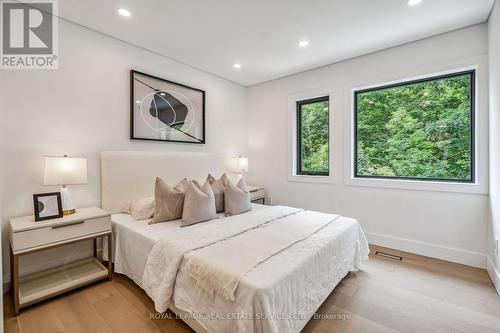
x=68 y=205
x=69 y=212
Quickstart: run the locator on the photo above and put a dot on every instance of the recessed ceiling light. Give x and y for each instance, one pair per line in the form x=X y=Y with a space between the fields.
x=138 y=102
x=414 y=2
x=237 y=66
x=303 y=43
x=124 y=12
x=162 y=93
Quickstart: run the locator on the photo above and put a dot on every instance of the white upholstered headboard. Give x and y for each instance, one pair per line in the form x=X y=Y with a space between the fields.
x=130 y=175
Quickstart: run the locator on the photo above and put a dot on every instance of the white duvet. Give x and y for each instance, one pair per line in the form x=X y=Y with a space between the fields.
x=279 y=294
x=217 y=269
x=167 y=254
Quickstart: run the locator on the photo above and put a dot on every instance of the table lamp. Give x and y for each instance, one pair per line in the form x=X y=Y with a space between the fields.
x=65 y=171
x=238 y=165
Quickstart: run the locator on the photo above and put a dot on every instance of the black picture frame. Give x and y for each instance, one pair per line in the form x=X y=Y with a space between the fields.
x=472 y=77
x=36 y=206
x=133 y=136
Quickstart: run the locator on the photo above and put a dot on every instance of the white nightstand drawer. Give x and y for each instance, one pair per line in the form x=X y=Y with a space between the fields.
x=59 y=232
x=257 y=194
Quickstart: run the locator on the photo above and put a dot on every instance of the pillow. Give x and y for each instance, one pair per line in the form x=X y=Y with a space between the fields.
x=237 y=198
x=199 y=204
x=168 y=201
x=143 y=208
x=218 y=186
x=182 y=185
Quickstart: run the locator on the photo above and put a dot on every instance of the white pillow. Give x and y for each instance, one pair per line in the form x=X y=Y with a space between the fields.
x=143 y=208
x=199 y=204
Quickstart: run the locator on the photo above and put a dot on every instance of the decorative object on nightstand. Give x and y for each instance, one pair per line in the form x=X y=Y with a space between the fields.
x=47 y=206
x=65 y=171
x=257 y=194
x=28 y=236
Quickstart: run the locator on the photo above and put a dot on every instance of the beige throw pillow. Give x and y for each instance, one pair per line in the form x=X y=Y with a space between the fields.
x=199 y=204
x=237 y=198
x=218 y=186
x=182 y=185
x=168 y=201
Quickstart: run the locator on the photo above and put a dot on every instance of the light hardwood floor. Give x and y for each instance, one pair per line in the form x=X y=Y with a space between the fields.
x=418 y=294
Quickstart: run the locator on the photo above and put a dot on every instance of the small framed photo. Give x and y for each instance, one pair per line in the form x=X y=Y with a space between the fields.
x=47 y=206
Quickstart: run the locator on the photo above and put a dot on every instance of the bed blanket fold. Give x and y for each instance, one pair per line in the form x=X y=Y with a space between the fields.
x=217 y=269
x=166 y=255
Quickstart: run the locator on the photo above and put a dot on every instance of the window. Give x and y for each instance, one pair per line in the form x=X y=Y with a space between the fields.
x=312 y=137
x=417 y=130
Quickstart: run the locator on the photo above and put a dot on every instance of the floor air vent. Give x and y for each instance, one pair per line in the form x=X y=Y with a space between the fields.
x=388 y=255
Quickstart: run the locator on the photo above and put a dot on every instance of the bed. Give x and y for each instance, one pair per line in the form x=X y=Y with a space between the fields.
x=279 y=294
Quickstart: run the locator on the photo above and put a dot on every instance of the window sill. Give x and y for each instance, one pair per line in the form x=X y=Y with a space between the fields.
x=419 y=185
x=311 y=179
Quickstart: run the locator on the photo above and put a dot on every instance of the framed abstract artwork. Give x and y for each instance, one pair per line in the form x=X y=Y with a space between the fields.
x=162 y=110
x=47 y=206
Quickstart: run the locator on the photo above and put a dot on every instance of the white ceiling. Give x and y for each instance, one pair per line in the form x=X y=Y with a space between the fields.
x=262 y=35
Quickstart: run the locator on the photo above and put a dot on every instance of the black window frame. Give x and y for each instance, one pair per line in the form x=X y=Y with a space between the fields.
x=472 y=96
x=298 y=112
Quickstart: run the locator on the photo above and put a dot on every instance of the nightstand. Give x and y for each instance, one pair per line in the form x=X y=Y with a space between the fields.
x=28 y=236
x=257 y=194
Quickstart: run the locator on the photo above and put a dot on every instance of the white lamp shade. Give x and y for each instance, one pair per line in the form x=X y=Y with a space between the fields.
x=238 y=164
x=65 y=170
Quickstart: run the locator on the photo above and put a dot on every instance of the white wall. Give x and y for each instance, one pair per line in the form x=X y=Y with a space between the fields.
x=83 y=108
x=448 y=225
x=494 y=63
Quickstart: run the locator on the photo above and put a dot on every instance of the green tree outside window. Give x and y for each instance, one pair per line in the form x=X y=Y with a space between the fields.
x=313 y=136
x=418 y=130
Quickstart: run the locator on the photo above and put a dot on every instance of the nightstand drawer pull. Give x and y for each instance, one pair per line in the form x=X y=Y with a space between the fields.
x=67 y=224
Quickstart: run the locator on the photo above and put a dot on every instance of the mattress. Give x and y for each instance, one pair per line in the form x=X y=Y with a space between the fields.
x=278 y=295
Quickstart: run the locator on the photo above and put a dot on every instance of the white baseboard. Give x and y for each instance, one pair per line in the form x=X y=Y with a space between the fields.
x=429 y=250
x=494 y=274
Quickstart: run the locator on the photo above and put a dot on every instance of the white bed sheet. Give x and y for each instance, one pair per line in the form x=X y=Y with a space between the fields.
x=293 y=283
x=133 y=240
